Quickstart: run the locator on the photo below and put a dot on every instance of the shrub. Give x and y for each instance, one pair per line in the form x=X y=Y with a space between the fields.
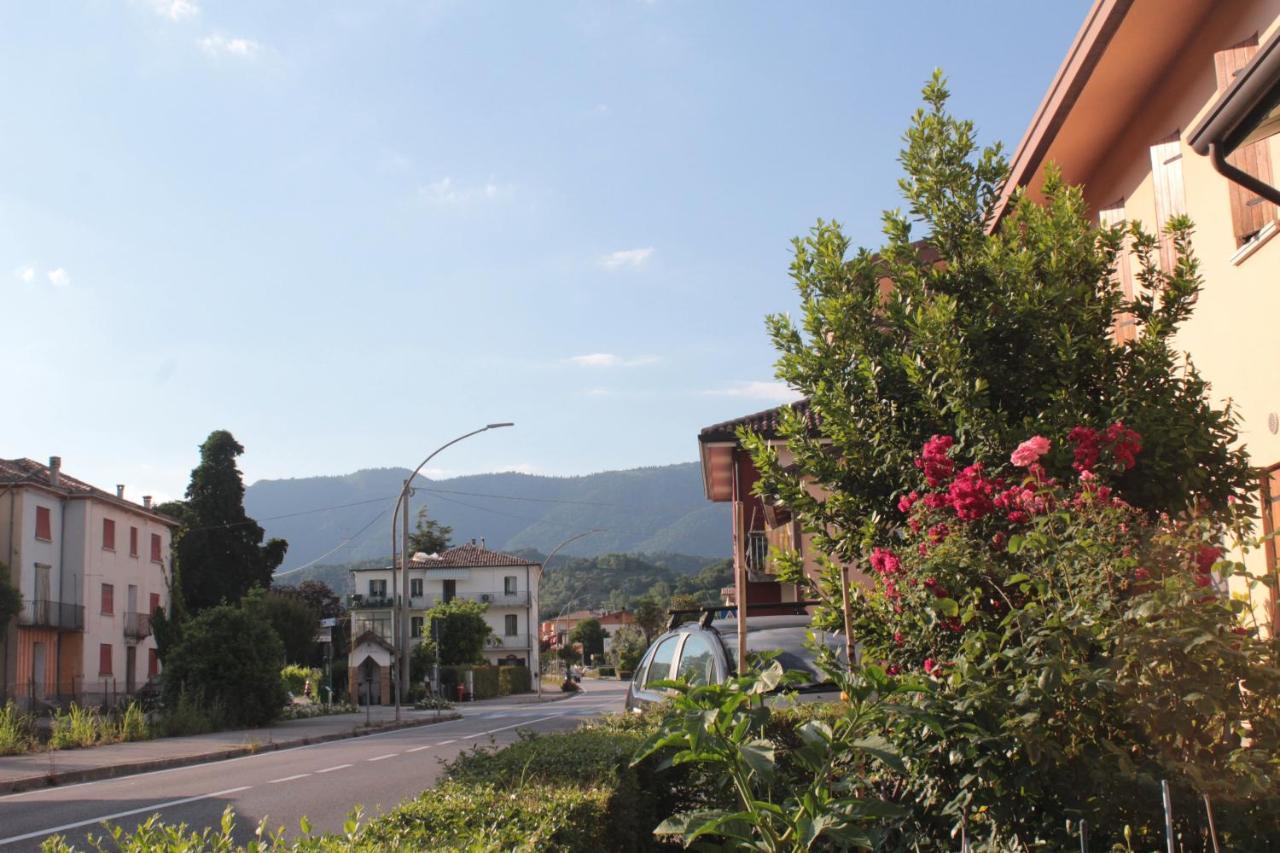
x=484 y=681
x=132 y=724
x=316 y=709
x=17 y=729
x=189 y=715
x=514 y=679
x=76 y=727
x=432 y=703
x=294 y=678
x=226 y=657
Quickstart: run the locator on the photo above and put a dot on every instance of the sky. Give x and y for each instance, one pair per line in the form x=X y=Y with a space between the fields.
x=349 y=232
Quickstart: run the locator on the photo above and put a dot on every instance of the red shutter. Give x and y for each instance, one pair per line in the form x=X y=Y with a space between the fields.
x=1249 y=211
x=133 y=541
x=108 y=534
x=44 y=528
x=155 y=603
x=104 y=659
x=155 y=547
x=108 y=599
x=1270 y=524
x=1122 y=276
x=1171 y=199
x=153 y=663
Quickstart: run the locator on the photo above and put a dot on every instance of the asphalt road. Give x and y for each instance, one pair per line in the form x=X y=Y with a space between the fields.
x=324 y=782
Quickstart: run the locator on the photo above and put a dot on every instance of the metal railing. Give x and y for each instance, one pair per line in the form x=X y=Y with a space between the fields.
x=39 y=613
x=137 y=626
x=370 y=602
x=494 y=599
x=497 y=641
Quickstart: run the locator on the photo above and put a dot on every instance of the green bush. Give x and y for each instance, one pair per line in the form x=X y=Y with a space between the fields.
x=76 y=727
x=189 y=715
x=484 y=680
x=17 y=729
x=294 y=678
x=228 y=657
x=132 y=724
x=514 y=679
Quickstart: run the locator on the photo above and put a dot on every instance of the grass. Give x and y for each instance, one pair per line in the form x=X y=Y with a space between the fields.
x=75 y=728
x=17 y=730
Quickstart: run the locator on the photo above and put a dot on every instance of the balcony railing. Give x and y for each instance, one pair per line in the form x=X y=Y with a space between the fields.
x=369 y=602
x=38 y=613
x=496 y=642
x=137 y=626
x=426 y=602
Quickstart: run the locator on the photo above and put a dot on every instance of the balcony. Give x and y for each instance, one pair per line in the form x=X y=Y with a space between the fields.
x=379 y=625
x=137 y=626
x=499 y=642
x=369 y=602
x=38 y=613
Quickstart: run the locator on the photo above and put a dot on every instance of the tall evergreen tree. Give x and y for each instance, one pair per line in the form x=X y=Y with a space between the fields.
x=219 y=555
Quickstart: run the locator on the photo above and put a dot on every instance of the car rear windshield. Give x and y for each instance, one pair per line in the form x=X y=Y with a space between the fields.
x=789 y=643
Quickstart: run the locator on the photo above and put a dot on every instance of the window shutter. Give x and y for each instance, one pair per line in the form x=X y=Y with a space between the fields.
x=1125 y=328
x=154 y=603
x=1171 y=198
x=155 y=547
x=1249 y=211
x=44 y=527
x=104 y=659
x=153 y=663
x=108 y=599
x=108 y=534
x=133 y=541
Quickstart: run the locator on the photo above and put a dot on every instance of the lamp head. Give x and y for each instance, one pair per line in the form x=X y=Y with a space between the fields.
x=498 y=426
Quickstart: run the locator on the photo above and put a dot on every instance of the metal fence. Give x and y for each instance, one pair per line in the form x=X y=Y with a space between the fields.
x=44 y=613
x=106 y=692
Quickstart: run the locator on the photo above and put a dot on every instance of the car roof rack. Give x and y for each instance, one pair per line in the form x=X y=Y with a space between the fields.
x=707 y=615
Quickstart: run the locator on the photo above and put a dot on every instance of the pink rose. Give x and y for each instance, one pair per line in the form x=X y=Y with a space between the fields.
x=1030 y=451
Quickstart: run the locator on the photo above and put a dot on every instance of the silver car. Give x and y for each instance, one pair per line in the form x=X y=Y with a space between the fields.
x=707 y=654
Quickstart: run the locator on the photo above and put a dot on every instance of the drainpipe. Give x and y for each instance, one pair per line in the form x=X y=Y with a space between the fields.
x=1244 y=179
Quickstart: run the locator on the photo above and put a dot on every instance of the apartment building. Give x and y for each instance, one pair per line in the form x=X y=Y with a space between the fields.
x=91 y=566
x=507 y=584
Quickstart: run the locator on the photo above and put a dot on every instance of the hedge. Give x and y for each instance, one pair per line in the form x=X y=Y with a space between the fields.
x=488 y=682
x=514 y=679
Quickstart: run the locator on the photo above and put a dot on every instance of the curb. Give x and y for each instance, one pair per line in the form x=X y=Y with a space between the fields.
x=110 y=771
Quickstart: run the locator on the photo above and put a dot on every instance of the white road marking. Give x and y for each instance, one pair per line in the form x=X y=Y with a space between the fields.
x=512 y=726
x=331 y=769
x=447 y=742
x=96 y=820
x=289 y=778
x=380 y=757
x=418 y=748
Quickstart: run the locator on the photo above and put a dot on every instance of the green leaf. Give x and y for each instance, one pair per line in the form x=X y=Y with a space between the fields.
x=881 y=749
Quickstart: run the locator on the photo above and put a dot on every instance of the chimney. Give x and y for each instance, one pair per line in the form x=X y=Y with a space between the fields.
x=146 y=501
x=55 y=468
x=482 y=542
x=120 y=490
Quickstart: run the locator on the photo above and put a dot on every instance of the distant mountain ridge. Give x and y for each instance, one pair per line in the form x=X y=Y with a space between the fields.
x=344 y=519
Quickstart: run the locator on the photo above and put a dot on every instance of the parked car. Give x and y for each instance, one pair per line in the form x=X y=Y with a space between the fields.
x=707 y=654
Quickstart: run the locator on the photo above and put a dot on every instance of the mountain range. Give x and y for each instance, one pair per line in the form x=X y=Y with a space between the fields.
x=346 y=519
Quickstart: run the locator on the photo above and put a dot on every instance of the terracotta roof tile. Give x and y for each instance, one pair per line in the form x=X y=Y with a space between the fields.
x=29 y=471
x=472 y=555
x=765 y=422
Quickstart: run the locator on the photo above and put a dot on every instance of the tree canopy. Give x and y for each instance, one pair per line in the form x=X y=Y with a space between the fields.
x=429 y=536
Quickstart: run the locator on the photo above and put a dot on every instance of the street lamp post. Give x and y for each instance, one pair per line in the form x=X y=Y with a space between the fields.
x=537 y=676
x=401 y=610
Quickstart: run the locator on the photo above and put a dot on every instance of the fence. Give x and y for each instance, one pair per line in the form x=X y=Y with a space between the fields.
x=106 y=692
x=43 y=613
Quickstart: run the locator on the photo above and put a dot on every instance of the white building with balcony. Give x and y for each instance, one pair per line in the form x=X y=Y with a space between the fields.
x=506 y=583
x=91 y=567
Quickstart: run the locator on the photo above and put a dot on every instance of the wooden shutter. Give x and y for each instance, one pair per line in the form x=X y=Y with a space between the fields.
x=155 y=547
x=1270 y=524
x=108 y=534
x=1171 y=198
x=153 y=603
x=133 y=541
x=104 y=659
x=1249 y=211
x=1125 y=328
x=153 y=663
x=44 y=528
x=108 y=599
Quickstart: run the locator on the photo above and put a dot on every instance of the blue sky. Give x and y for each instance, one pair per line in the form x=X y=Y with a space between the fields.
x=349 y=232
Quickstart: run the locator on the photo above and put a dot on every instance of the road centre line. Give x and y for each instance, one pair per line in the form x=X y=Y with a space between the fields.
x=447 y=742
x=95 y=820
x=289 y=778
x=380 y=757
x=331 y=769
x=419 y=748
x=512 y=726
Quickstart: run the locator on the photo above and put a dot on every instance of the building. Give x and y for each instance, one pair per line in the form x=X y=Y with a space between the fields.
x=506 y=583
x=91 y=567
x=555 y=632
x=1145 y=86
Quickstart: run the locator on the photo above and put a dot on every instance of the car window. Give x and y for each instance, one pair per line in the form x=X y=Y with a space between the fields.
x=697 y=661
x=660 y=664
x=788 y=644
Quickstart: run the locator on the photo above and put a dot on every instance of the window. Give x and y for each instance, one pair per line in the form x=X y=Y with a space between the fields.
x=660 y=665
x=415 y=587
x=757 y=550
x=104 y=659
x=378 y=589
x=153 y=663
x=1171 y=199
x=133 y=541
x=44 y=528
x=697 y=661
x=509 y=585
x=1250 y=213
x=415 y=626
x=108 y=599
x=154 y=603
x=108 y=535
x=510 y=624
x=155 y=548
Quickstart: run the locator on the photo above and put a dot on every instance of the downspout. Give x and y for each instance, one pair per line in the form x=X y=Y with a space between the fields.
x=1244 y=179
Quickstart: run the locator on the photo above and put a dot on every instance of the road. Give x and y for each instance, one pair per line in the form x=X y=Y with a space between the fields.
x=323 y=782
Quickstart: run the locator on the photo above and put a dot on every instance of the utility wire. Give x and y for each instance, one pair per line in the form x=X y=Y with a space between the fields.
x=350 y=540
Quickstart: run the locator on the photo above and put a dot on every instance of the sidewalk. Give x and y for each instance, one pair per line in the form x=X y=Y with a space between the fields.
x=67 y=766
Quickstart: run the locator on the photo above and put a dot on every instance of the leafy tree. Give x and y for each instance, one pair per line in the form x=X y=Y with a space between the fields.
x=430 y=536
x=591 y=635
x=219 y=555
x=293 y=619
x=650 y=617
x=628 y=647
x=229 y=660
x=318 y=596
x=10 y=600
x=461 y=628
x=685 y=601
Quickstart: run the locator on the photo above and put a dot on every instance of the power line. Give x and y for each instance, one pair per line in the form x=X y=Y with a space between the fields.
x=350 y=540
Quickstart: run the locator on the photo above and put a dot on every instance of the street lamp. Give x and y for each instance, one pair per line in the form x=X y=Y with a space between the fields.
x=545 y=562
x=400 y=624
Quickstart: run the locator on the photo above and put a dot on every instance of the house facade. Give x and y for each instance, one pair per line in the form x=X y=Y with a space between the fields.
x=555 y=632
x=1120 y=119
x=506 y=583
x=92 y=567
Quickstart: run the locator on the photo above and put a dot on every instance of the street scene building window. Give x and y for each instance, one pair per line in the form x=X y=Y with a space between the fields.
x=104 y=659
x=377 y=589
x=415 y=587
x=153 y=603
x=153 y=663
x=108 y=599
x=509 y=585
x=44 y=527
x=1250 y=213
x=108 y=535
x=133 y=541
x=415 y=625
x=155 y=547
x=511 y=624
